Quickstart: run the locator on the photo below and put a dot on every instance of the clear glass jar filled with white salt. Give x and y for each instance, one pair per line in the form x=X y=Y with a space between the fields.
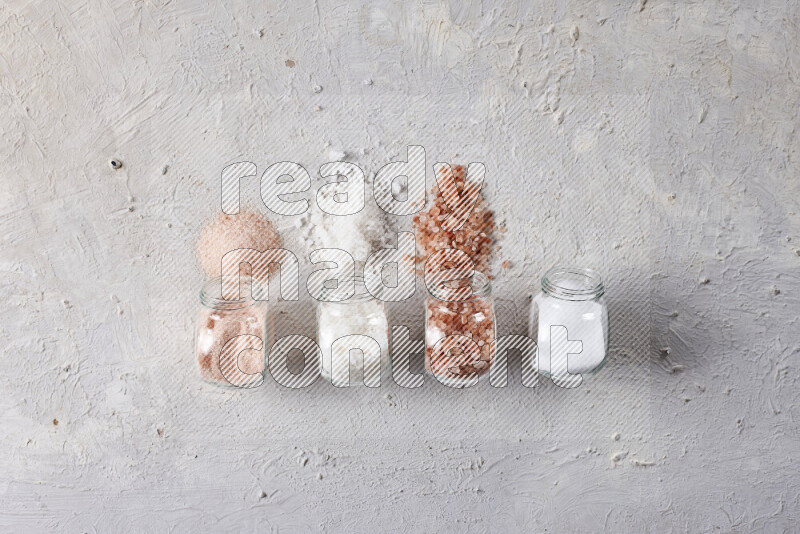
x=353 y=335
x=569 y=321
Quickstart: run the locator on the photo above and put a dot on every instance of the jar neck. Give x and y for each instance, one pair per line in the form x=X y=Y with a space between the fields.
x=479 y=283
x=211 y=295
x=573 y=283
x=338 y=295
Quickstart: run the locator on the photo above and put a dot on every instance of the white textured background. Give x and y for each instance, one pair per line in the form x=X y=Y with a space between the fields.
x=655 y=141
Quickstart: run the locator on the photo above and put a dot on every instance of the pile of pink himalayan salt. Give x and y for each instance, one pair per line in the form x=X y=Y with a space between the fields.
x=475 y=237
x=216 y=327
x=246 y=229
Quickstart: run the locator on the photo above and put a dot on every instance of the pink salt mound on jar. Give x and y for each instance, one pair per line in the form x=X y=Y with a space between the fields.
x=246 y=229
x=475 y=237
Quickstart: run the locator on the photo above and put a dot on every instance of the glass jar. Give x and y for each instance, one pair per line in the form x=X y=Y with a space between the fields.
x=572 y=298
x=220 y=321
x=359 y=315
x=467 y=356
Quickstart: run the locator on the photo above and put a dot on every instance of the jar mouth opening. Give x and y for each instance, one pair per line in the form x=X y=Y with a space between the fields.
x=573 y=283
x=479 y=282
x=211 y=295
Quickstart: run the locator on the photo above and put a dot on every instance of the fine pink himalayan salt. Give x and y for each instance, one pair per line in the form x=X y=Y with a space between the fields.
x=246 y=229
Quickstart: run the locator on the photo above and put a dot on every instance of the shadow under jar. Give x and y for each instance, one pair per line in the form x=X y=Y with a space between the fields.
x=570 y=316
x=459 y=348
x=218 y=322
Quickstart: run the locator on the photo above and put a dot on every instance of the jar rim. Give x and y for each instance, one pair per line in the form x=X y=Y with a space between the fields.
x=211 y=295
x=573 y=283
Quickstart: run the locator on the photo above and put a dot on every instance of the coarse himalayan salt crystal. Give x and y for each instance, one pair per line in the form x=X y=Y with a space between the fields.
x=246 y=229
x=475 y=237
x=473 y=318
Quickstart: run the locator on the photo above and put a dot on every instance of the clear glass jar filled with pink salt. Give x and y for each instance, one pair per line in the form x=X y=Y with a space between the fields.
x=459 y=335
x=221 y=320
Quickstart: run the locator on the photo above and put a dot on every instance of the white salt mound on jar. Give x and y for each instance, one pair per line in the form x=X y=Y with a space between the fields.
x=360 y=234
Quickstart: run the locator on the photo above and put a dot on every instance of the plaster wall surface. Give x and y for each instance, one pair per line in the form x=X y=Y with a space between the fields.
x=655 y=141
